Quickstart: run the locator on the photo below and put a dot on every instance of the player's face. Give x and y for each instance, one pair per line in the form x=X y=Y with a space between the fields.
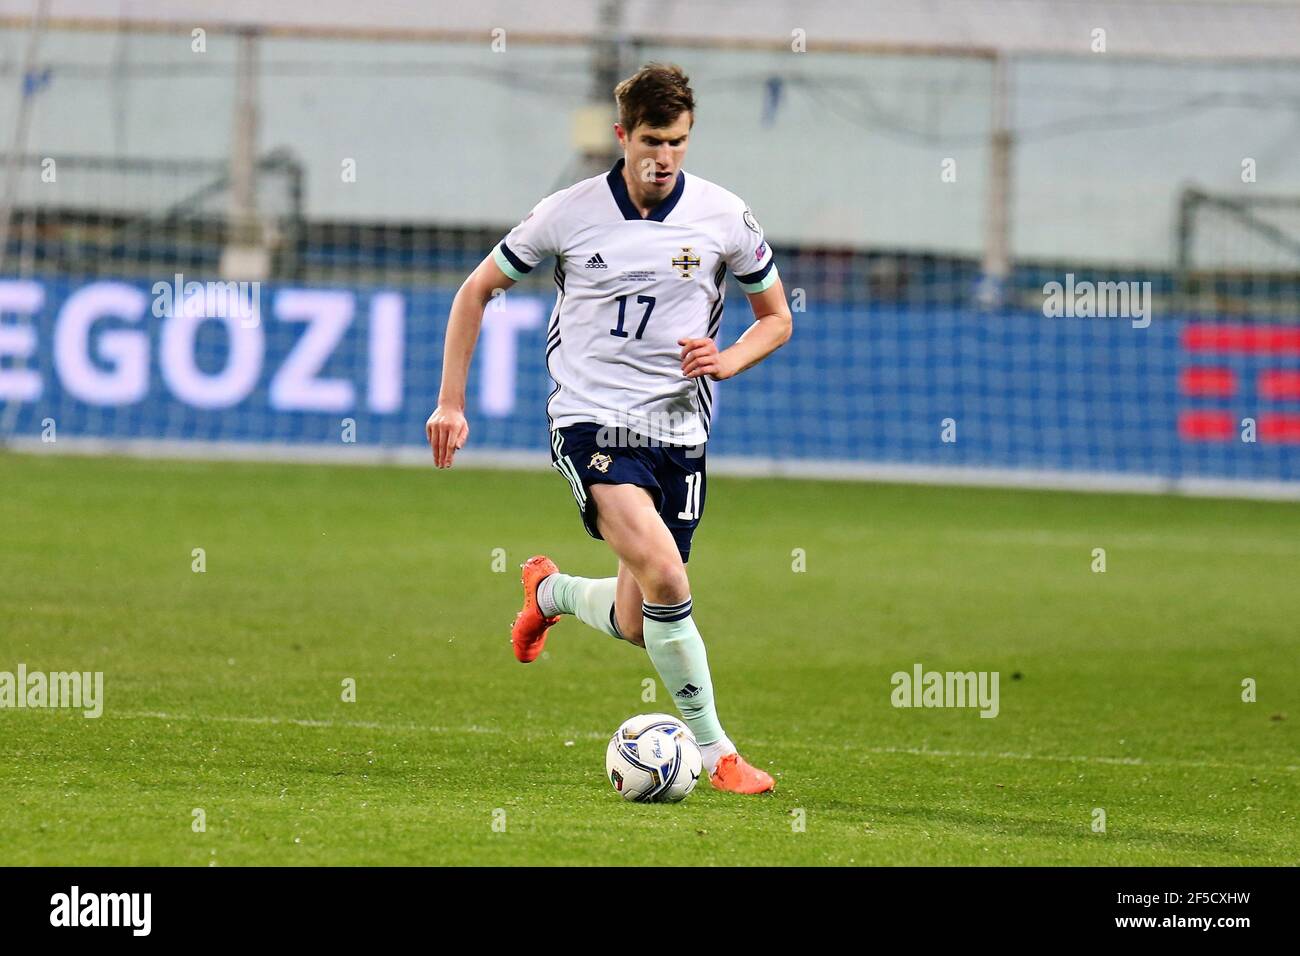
x=654 y=155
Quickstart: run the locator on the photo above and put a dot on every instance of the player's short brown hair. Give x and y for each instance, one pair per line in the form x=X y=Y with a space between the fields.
x=655 y=95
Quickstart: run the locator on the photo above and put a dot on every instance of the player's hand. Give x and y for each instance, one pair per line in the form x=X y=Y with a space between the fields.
x=701 y=357
x=447 y=431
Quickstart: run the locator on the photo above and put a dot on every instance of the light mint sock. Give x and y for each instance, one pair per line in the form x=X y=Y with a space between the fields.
x=677 y=652
x=590 y=600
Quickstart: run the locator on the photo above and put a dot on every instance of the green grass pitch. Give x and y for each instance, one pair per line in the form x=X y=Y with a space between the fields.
x=1119 y=690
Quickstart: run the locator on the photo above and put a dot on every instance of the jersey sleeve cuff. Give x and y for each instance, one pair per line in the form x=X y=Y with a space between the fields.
x=760 y=281
x=509 y=263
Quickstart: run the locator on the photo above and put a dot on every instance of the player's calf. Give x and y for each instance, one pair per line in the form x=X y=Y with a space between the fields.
x=627 y=606
x=631 y=627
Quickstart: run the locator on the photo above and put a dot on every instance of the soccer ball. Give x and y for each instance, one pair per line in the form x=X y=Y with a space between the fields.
x=653 y=758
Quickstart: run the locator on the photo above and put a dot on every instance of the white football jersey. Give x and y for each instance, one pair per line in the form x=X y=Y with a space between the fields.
x=629 y=288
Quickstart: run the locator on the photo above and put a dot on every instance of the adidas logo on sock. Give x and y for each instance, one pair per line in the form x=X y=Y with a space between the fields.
x=689 y=691
x=596 y=262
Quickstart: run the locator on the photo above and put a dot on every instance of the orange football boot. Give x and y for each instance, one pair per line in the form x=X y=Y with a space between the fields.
x=529 y=632
x=735 y=775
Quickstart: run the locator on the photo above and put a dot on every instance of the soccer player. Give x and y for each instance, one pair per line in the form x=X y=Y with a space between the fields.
x=641 y=254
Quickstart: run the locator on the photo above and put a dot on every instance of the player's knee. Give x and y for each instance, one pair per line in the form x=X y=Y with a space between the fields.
x=663 y=581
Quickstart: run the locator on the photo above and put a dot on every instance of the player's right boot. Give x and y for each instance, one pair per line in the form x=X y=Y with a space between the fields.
x=529 y=632
x=736 y=775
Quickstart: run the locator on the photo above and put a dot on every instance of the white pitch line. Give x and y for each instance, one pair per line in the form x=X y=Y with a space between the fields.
x=1115 y=761
x=594 y=735
x=1139 y=542
x=318 y=724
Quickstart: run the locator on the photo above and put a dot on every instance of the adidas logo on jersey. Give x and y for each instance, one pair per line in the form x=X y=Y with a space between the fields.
x=687 y=692
x=596 y=262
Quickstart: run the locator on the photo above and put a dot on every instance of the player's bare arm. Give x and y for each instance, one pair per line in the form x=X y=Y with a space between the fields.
x=447 y=428
x=772 y=328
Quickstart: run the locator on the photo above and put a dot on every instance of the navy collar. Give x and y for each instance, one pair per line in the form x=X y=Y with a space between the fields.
x=619 y=188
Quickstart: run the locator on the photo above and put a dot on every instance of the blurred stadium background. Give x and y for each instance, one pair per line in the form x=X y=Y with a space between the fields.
x=923 y=170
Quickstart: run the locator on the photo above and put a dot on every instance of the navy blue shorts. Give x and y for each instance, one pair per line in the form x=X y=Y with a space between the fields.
x=586 y=455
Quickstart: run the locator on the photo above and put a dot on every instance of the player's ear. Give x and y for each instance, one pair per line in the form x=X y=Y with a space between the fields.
x=620 y=133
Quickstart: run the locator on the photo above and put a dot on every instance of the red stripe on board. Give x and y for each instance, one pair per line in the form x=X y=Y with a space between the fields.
x=1252 y=339
x=1206 y=426
x=1279 y=385
x=1280 y=428
x=1211 y=382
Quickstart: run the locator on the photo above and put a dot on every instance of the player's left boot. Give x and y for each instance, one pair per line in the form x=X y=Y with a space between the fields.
x=735 y=775
x=529 y=632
